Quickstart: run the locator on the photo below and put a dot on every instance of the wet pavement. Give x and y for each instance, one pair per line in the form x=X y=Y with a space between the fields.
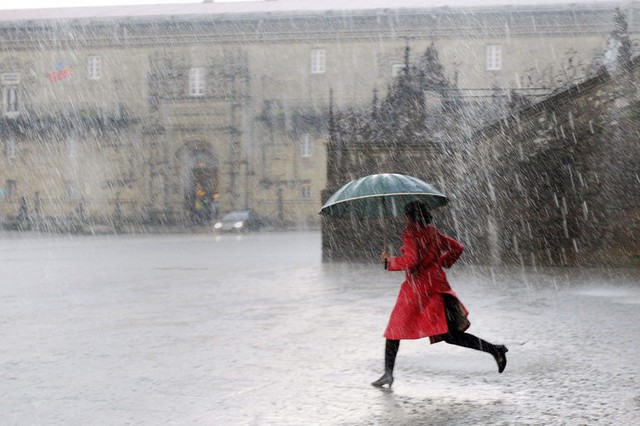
x=255 y=330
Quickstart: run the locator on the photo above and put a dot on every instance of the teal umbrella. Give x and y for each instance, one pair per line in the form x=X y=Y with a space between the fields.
x=380 y=196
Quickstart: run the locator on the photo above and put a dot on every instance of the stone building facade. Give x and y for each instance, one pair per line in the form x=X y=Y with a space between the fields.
x=131 y=115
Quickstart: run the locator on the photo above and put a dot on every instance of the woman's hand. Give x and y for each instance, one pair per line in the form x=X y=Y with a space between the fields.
x=384 y=257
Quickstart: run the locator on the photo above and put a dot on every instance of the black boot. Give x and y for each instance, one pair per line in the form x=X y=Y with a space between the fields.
x=470 y=341
x=500 y=356
x=386 y=379
x=390 y=351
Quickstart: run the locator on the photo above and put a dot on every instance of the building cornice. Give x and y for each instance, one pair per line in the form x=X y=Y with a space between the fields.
x=282 y=8
x=313 y=27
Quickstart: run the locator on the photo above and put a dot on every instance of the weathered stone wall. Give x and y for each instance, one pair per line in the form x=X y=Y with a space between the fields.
x=557 y=183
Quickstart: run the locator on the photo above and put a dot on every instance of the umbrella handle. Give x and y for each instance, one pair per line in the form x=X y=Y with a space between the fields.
x=385 y=230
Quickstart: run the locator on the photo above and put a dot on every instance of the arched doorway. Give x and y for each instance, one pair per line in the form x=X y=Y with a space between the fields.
x=201 y=183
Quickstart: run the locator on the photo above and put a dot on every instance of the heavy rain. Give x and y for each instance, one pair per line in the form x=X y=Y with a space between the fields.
x=170 y=253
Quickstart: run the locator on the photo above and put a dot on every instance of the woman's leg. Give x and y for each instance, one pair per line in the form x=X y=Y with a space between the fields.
x=457 y=321
x=460 y=338
x=390 y=352
x=467 y=340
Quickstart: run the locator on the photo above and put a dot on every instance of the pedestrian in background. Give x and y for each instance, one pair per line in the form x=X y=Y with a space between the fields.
x=426 y=305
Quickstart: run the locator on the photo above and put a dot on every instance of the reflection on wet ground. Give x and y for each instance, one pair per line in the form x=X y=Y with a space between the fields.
x=256 y=330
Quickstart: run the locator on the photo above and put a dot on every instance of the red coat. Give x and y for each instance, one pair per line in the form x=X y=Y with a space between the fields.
x=419 y=311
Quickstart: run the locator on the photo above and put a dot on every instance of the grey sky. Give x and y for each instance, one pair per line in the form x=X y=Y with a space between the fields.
x=41 y=4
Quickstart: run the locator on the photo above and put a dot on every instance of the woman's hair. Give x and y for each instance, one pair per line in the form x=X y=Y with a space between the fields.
x=418 y=213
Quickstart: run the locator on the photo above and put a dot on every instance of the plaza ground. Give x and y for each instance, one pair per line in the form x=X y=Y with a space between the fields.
x=255 y=330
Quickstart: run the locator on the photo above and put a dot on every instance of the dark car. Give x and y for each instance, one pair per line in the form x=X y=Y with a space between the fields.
x=239 y=221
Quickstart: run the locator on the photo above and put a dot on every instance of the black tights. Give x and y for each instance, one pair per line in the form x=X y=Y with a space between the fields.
x=459 y=338
x=390 y=351
x=470 y=341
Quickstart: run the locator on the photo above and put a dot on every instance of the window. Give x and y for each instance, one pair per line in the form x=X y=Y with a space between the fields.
x=305 y=146
x=70 y=190
x=10 y=148
x=197 y=81
x=305 y=191
x=71 y=146
x=94 y=65
x=397 y=70
x=11 y=189
x=10 y=84
x=318 y=61
x=494 y=57
x=10 y=79
x=10 y=103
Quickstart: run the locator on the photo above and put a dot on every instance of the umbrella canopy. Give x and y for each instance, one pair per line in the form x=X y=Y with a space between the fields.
x=381 y=195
